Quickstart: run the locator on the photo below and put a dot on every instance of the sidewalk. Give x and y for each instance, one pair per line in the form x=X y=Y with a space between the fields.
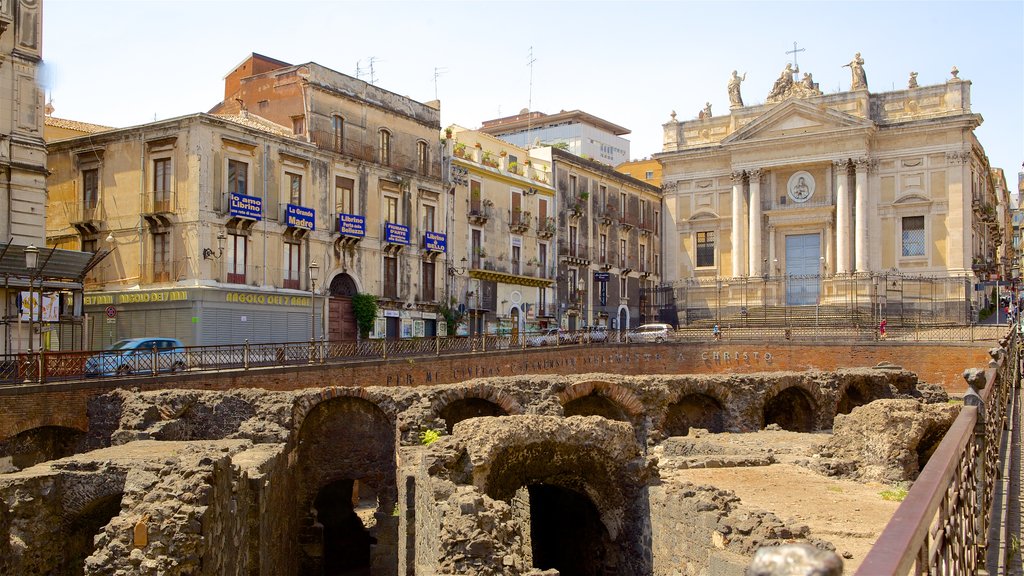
x=1004 y=535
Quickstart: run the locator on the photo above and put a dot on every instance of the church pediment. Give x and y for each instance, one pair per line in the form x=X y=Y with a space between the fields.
x=797 y=117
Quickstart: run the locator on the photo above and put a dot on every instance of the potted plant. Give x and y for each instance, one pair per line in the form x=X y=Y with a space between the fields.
x=460 y=150
x=513 y=167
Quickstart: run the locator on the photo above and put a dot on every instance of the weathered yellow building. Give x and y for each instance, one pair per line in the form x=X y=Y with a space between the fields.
x=830 y=186
x=647 y=170
x=236 y=225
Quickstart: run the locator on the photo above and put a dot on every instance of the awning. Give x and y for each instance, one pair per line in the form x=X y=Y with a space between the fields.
x=54 y=265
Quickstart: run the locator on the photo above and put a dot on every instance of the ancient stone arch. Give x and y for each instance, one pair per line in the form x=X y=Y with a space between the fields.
x=854 y=393
x=456 y=405
x=304 y=405
x=694 y=410
x=614 y=401
x=793 y=405
x=35 y=445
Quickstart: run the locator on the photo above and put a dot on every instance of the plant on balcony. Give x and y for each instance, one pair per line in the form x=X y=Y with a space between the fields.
x=513 y=167
x=364 y=308
x=460 y=150
x=481 y=252
x=489 y=160
x=584 y=195
x=533 y=262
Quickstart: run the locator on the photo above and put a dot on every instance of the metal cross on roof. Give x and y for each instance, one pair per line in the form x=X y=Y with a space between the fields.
x=794 y=52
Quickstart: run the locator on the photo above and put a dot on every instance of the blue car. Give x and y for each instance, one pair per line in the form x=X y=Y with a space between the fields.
x=138 y=356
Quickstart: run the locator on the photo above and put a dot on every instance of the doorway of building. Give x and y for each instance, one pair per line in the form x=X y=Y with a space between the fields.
x=341 y=322
x=803 y=253
x=514 y=314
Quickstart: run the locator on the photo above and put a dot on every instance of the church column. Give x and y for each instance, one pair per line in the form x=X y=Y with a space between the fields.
x=842 y=217
x=737 y=224
x=861 y=239
x=754 y=268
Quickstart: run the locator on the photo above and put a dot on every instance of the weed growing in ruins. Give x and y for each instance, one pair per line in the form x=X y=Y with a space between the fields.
x=895 y=494
x=835 y=488
x=429 y=436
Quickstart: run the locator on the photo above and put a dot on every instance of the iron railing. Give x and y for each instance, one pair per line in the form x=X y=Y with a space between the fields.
x=942 y=525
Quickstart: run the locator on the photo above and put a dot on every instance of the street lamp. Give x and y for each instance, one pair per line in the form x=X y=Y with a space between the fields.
x=31 y=262
x=581 y=286
x=314 y=272
x=208 y=253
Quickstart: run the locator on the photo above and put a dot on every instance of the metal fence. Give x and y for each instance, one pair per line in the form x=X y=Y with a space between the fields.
x=849 y=299
x=942 y=525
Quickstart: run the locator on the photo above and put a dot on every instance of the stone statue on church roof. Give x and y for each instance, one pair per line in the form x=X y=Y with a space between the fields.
x=782 y=85
x=912 y=82
x=858 y=79
x=785 y=87
x=735 y=99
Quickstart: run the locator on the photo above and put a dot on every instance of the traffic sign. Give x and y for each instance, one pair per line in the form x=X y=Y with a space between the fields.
x=111 y=312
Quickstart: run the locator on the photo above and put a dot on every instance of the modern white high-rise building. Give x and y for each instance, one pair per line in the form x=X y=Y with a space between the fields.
x=586 y=135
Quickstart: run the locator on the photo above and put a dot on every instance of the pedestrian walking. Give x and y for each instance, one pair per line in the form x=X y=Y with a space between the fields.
x=881 y=328
x=715 y=332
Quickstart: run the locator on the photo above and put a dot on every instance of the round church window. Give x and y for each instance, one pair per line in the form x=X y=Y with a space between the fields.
x=801 y=186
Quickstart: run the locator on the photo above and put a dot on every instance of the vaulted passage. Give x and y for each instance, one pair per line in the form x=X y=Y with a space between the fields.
x=567 y=533
x=82 y=529
x=792 y=409
x=857 y=394
x=466 y=408
x=39 y=445
x=346 y=541
x=694 y=411
x=595 y=404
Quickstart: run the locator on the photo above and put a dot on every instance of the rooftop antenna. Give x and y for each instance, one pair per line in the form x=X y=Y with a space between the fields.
x=796 y=66
x=529 y=102
x=438 y=72
x=359 y=70
x=373 y=77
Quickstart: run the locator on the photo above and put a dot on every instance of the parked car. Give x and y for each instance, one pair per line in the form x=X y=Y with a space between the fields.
x=136 y=356
x=650 y=333
x=597 y=334
x=549 y=337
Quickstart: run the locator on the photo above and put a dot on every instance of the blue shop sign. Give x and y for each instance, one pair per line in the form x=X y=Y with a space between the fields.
x=300 y=217
x=352 y=225
x=434 y=241
x=243 y=206
x=396 y=233
x=601 y=276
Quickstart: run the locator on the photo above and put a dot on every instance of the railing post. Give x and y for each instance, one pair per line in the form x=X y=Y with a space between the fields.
x=437 y=345
x=972 y=398
x=245 y=355
x=323 y=348
x=154 y=358
x=42 y=365
x=384 y=348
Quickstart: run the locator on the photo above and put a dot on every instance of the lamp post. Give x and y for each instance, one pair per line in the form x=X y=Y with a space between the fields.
x=581 y=286
x=31 y=262
x=314 y=272
x=454 y=271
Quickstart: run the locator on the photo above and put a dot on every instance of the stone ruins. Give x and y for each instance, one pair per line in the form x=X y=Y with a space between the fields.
x=582 y=474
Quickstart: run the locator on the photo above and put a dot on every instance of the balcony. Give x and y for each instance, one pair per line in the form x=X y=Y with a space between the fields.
x=627 y=263
x=609 y=214
x=86 y=219
x=628 y=221
x=479 y=212
x=574 y=253
x=546 y=227
x=518 y=221
x=608 y=260
x=158 y=203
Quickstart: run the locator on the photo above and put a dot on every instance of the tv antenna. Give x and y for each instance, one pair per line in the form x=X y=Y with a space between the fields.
x=438 y=72
x=529 y=102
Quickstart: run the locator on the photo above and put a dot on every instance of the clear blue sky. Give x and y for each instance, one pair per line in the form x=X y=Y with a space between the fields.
x=122 y=63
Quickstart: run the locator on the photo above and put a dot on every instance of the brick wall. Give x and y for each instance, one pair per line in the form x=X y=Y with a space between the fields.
x=26 y=407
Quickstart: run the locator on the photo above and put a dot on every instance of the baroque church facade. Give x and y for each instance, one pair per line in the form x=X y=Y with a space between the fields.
x=820 y=187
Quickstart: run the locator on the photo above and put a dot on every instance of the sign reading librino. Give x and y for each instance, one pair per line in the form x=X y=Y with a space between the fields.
x=352 y=225
x=434 y=241
x=396 y=233
x=244 y=206
x=300 y=217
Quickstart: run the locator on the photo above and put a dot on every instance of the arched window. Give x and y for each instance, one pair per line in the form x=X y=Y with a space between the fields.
x=338 y=126
x=385 y=147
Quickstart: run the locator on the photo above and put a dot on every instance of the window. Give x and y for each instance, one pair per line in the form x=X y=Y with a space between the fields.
x=542 y=257
x=161 y=180
x=604 y=196
x=235 y=255
x=649 y=175
x=622 y=287
x=643 y=211
x=294 y=188
x=299 y=125
x=572 y=240
x=476 y=246
x=161 y=256
x=422 y=157
x=428 y=218
x=391 y=277
x=657 y=221
x=572 y=186
x=292 y=265
x=428 y=282
x=604 y=247
x=542 y=211
x=391 y=209
x=913 y=236
x=657 y=264
x=90 y=187
x=90 y=245
x=338 y=127
x=622 y=253
x=385 y=147
x=643 y=258
x=238 y=177
x=705 y=249
x=344 y=202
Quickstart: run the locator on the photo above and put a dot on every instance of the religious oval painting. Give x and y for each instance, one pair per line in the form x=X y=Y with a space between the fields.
x=800 y=186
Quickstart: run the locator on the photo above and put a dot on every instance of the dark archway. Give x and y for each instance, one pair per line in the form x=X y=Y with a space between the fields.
x=346 y=541
x=82 y=530
x=928 y=443
x=566 y=533
x=792 y=409
x=694 y=411
x=595 y=404
x=465 y=408
x=857 y=394
x=339 y=440
x=39 y=445
x=344 y=286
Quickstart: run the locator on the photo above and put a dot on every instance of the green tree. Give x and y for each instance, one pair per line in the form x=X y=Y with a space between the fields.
x=452 y=316
x=364 y=306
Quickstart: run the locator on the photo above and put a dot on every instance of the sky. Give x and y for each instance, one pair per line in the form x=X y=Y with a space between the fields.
x=122 y=63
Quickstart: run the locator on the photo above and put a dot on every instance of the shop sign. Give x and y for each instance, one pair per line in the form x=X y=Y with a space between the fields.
x=352 y=225
x=299 y=217
x=601 y=276
x=147 y=297
x=243 y=206
x=30 y=303
x=98 y=299
x=392 y=314
x=434 y=241
x=267 y=299
x=396 y=233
